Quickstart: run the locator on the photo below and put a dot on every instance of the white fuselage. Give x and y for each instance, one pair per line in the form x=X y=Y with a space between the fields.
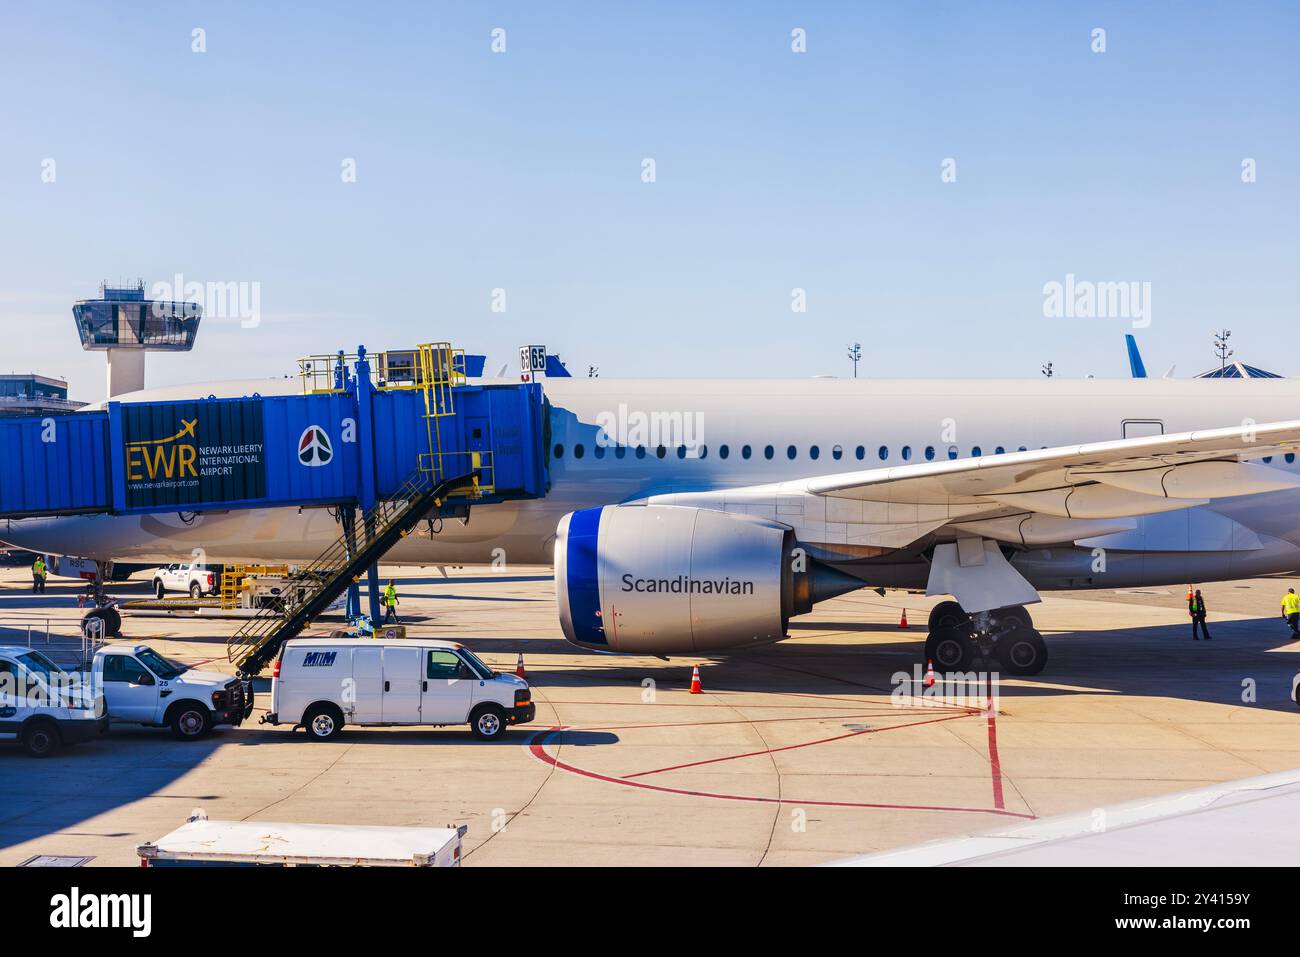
x=813 y=427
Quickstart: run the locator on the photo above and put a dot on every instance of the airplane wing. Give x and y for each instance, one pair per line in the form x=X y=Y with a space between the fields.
x=1066 y=493
x=1032 y=498
x=1243 y=818
x=1101 y=480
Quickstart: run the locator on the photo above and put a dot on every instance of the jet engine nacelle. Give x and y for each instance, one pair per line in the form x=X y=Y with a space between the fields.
x=664 y=579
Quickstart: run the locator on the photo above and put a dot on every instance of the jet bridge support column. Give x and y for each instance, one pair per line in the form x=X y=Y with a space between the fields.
x=366 y=455
x=348 y=519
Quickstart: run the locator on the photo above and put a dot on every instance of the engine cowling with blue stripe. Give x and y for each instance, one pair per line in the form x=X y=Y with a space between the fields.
x=664 y=579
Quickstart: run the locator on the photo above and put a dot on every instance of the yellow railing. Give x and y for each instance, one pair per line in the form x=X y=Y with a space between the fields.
x=443 y=464
x=434 y=365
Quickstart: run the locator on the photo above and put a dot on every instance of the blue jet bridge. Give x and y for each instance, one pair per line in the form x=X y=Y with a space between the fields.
x=388 y=443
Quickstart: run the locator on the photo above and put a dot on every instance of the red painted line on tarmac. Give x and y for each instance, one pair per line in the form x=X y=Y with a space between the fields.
x=702 y=724
x=538 y=750
x=790 y=747
x=995 y=764
x=939 y=709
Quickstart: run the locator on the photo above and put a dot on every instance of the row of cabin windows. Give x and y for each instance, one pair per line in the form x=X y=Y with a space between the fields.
x=768 y=452
x=792 y=452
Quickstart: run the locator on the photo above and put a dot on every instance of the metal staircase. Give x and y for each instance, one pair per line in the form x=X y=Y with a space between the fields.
x=318 y=585
x=367 y=536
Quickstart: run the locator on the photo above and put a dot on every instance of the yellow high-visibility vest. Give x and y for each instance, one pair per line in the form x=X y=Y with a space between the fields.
x=390 y=596
x=1291 y=603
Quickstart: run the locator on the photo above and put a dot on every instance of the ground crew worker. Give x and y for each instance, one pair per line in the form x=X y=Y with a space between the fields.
x=390 y=603
x=38 y=575
x=1291 y=611
x=1196 y=608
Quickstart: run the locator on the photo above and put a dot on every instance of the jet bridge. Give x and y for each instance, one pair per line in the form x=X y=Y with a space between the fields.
x=351 y=438
x=387 y=443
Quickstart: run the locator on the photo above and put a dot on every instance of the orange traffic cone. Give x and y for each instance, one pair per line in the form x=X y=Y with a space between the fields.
x=902 y=622
x=929 y=674
x=695 y=681
x=519 y=667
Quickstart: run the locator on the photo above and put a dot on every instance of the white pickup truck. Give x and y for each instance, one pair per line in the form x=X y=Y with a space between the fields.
x=43 y=706
x=142 y=687
x=196 y=579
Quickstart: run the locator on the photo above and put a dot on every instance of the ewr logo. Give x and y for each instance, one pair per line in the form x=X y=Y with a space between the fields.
x=314 y=447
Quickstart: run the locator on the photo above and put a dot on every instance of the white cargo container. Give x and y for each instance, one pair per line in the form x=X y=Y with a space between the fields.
x=261 y=843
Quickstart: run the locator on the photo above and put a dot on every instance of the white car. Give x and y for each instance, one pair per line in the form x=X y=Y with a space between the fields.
x=142 y=687
x=43 y=706
x=322 y=684
x=198 y=580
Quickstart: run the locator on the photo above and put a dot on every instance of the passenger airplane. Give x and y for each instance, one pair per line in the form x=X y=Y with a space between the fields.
x=772 y=495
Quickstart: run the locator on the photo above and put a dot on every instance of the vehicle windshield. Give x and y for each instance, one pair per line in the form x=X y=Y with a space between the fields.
x=162 y=667
x=477 y=662
x=37 y=663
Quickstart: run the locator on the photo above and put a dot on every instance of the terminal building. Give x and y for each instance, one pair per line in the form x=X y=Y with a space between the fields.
x=32 y=394
x=125 y=325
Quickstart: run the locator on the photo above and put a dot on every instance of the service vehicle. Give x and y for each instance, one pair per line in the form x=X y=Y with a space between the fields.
x=143 y=687
x=201 y=842
x=323 y=684
x=198 y=580
x=44 y=706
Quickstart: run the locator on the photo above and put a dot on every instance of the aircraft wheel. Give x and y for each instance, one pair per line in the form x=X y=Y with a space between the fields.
x=1017 y=612
x=1022 y=651
x=947 y=614
x=112 y=621
x=949 y=650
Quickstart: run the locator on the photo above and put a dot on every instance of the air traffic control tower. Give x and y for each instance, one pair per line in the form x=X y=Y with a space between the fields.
x=126 y=325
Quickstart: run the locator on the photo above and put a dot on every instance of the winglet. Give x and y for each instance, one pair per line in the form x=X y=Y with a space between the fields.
x=1135 y=358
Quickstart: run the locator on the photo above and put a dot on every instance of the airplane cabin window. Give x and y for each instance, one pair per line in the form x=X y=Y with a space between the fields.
x=861 y=452
x=907 y=452
x=768 y=451
x=976 y=452
x=661 y=451
x=681 y=451
x=578 y=451
x=558 y=451
x=837 y=453
x=703 y=451
x=999 y=450
x=746 y=452
x=598 y=451
x=1290 y=457
x=1023 y=449
x=929 y=453
x=640 y=451
x=813 y=451
x=884 y=452
x=791 y=452
x=952 y=452
x=723 y=451
x=620 y=451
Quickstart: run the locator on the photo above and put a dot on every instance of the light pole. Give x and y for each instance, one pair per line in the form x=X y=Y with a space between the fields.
x=1221 y=347
x=1047 y=369
x=855 y=353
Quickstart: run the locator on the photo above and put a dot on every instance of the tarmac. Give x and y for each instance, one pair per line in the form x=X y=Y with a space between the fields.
x=818 y=748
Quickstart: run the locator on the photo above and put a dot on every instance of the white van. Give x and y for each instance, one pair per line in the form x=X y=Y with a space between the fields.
x=42 y=706
x=321 y=684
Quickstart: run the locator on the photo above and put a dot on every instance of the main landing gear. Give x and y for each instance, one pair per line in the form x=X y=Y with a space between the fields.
x=1003 y=636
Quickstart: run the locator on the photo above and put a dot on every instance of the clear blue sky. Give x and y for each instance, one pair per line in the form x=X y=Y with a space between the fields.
x=774 y=170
